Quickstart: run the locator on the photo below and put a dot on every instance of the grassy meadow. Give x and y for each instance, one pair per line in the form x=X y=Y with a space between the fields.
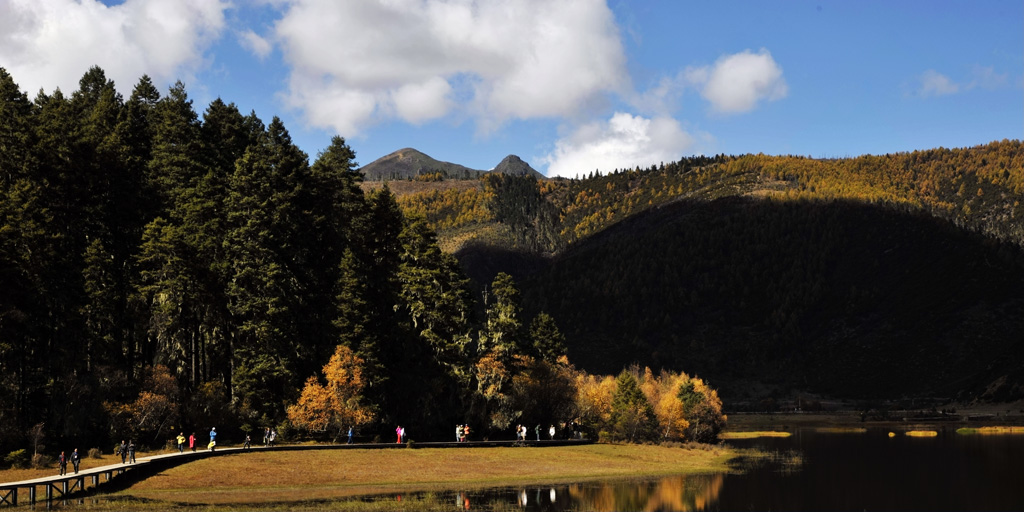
x=290 y=477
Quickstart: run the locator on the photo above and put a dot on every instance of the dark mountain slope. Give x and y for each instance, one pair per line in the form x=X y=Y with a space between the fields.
x=834 y=297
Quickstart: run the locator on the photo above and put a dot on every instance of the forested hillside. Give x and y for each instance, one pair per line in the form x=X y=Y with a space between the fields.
x=165 y=272
x=162 y=269
x=832 y=297
x=876 y=276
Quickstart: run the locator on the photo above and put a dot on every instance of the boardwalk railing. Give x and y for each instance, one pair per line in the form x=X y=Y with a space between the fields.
x=61 y=486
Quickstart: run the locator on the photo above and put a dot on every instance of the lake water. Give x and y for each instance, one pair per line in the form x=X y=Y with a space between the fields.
x=816 y=470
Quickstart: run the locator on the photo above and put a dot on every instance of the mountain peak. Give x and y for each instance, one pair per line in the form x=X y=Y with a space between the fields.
x=512 y=165
x=408 y=163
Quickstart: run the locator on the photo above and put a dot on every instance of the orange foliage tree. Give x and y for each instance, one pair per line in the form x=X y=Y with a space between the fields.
x=338 y=404
x=153 y=413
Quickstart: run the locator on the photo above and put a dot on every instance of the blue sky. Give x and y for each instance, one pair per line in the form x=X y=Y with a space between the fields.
x=569 y=86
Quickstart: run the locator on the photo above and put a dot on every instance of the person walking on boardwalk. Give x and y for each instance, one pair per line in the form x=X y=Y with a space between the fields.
x=123 y=450
x=131 y=451
x=247 y=446
x=74 y=460
x=181 y=442
x=273 y=436
x=398 y=434
x=350 y=434
x=62 y=464
x=536 y=430
x=192 y=441
x=458 y=433
x=465 y=432
x=551 y=432
x=266 y=437
x=213 y=439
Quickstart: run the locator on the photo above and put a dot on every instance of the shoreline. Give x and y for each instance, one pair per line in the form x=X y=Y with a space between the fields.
x=300 y=477
x=958 y=415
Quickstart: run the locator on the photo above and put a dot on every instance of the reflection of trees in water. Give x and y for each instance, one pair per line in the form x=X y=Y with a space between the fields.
x=684 y=493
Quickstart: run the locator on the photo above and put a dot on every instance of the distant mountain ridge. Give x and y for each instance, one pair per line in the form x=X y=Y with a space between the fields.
x=410 y=164
x=875 y=277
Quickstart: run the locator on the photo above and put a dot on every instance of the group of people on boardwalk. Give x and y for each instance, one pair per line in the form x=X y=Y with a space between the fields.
x=127 y=452
x=62 y=462
x=191 y=442
x=461 y=433
x=269 y=437
x=521 y=432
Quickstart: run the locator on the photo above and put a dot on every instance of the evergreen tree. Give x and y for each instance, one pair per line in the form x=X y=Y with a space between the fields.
x=115 y=218
x=64 y=160
x=334 y=204
x=435 y=295
x=379 y=259
x=504 y=330
x=25 y=252
x=548 y=341
x=633 y=419
x=435 y=307
x=176 y=163
x=263 y=295
x=499 y=349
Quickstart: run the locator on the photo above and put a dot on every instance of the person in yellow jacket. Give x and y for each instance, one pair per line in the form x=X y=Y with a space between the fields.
x=181 y=442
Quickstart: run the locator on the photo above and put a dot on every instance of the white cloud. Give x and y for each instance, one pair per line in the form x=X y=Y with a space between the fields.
x=624 y=142
x=663 y=96
x=258 y=45
x=934 y=83
x=986 y=77
x=421 y=102
x=356 y=63
x=52 y=43
x=736 y=83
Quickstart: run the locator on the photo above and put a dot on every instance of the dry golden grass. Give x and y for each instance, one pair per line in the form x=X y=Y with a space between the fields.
x=269 y=477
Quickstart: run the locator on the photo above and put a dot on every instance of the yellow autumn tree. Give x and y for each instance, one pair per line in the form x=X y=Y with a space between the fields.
x=594 y=400
x=669 y=408
x=687 y=408
x=702 y=409
x=338 y=404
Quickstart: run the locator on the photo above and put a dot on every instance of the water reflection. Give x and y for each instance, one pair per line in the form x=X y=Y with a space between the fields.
x=677 y=493
x=681 y=493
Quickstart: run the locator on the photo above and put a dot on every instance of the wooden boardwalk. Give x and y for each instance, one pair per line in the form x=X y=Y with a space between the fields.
x=59 y=487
